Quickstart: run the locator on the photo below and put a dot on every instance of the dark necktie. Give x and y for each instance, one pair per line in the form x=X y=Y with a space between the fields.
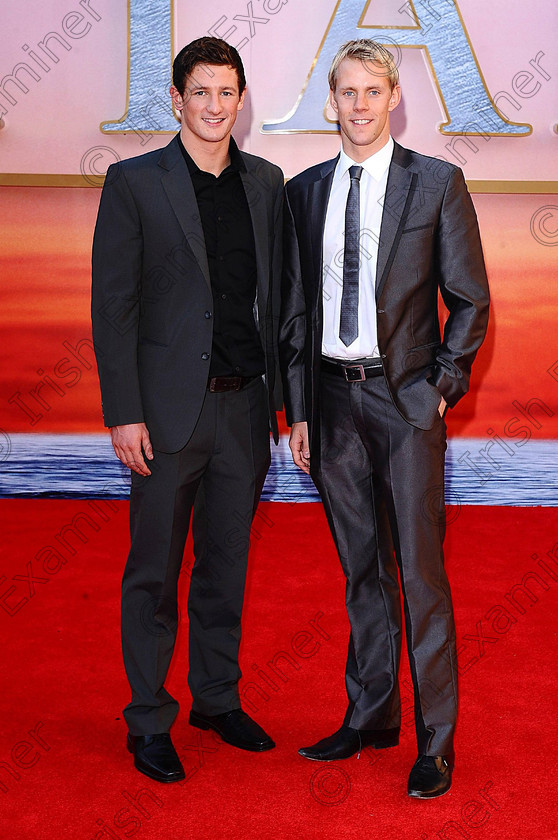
x=348 y=326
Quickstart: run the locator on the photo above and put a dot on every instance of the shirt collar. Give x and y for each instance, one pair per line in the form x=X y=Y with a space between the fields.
x=376 y=165
x=236 y=165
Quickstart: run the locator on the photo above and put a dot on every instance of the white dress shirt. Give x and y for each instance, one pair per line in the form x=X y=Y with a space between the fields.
x=372 y=194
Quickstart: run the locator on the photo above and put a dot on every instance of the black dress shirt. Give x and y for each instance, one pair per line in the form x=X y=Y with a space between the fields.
x=231 y=254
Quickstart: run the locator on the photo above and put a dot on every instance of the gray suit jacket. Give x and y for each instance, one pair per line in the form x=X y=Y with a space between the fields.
x=151 y=295
x=429 y=241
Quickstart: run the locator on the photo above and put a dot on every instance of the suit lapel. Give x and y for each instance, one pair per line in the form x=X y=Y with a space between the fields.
x=255 y=189
x=399 y=193
x=180 y=191
x=318 y=197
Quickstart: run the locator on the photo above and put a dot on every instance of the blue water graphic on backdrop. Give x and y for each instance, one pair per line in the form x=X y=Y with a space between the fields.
x=84 y=466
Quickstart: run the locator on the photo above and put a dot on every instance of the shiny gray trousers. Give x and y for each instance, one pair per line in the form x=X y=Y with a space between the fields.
x=382 y=485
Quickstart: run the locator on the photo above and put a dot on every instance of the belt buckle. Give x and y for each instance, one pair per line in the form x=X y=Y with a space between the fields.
x=222 y=384
x=354 y=373
x=233 y=383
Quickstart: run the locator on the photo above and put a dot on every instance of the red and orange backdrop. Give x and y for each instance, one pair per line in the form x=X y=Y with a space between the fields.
x=81 y=86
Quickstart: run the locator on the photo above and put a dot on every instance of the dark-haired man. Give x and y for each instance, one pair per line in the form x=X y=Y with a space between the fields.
x=371 y=238
x=185 y=257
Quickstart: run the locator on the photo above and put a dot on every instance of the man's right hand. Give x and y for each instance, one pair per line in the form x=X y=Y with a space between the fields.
x=298 y=443
x=128 y=442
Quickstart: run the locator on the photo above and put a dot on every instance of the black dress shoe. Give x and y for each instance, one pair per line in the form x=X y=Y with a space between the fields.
x=155 y=756
x=430 y=777
x=235 y=728
x=347 y=741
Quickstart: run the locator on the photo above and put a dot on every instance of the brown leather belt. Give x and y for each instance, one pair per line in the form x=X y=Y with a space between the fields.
x=220 y=384
x=353 y=372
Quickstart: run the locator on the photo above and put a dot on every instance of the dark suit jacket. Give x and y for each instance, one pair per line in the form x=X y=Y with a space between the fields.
x=429 y=240
x=151 y=297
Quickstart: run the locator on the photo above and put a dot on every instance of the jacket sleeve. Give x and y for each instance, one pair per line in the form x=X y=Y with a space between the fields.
x=276 y=273
x=464 y=289
x=292 y=327
x=116 y=278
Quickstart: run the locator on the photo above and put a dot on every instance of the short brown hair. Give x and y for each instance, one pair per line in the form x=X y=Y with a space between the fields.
x=364 y=50
x=206 y=50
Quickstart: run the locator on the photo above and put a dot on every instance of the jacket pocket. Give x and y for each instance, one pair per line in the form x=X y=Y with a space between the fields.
x=152 y=343
x=428 y=228
x=424 y=346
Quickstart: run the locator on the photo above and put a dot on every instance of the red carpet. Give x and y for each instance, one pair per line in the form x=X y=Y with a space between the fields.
x=64 y=771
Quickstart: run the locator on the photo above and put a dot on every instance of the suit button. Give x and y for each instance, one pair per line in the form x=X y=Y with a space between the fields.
x=381 y=311
x=205 y=356
x=384 y=356
x=207 y=314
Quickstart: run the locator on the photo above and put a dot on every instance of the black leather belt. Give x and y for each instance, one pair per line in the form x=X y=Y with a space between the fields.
x=352 y=372
x=220 y=384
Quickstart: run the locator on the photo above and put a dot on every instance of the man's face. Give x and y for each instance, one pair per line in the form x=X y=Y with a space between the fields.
x=362 y=101
x=210 y=103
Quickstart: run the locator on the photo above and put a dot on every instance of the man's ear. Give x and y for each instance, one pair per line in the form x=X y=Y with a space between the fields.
x=177 y=98
x=395 y=98
x=240 y=105
x=332 y=101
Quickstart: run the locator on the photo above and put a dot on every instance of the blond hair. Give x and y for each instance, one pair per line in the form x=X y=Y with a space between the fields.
x=365 y=50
